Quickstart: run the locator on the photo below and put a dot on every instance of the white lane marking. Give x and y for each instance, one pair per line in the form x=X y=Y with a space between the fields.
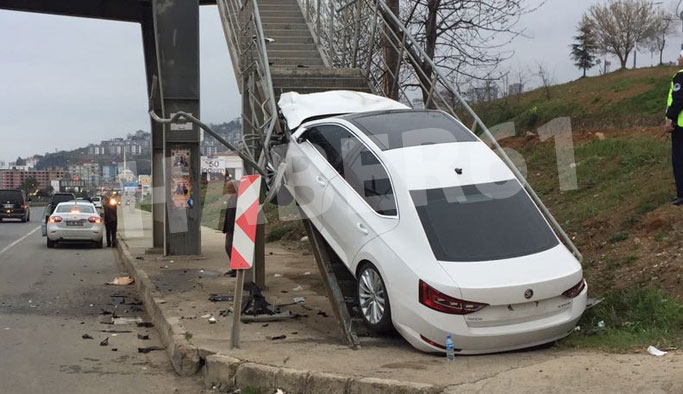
x=8 y=247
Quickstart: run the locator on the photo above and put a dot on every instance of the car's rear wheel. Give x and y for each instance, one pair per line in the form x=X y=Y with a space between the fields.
x=374 y=299
x=50 y=243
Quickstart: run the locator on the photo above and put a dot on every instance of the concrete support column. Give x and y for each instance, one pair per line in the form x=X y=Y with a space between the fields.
x=176 y=32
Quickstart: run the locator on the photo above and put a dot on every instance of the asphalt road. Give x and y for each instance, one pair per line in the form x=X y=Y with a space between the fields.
x=50 y=298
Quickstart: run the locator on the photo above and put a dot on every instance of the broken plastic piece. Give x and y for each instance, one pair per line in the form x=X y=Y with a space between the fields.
x=87 y=336
x=655 y=352
x=105 y=342
x=122 y=281
x=143 y=337
x=299 y=300
x=220 y=298
x=298 y=288
x=277 y=338
x=212 y=320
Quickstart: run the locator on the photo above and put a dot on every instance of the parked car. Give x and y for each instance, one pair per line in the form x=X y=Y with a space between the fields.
x=75 y=221
x=97 y=202
x=14 y=205
x=440 y=235
x=55 y=200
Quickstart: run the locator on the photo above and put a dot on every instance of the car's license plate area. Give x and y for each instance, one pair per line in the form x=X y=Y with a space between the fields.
x=9 y=206
x=74 y=223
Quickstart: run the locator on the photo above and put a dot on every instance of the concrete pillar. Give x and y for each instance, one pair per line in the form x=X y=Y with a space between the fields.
x=176 y=32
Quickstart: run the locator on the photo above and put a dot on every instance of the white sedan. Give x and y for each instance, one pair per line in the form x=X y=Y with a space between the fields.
x=76 y=221
x=440 y=235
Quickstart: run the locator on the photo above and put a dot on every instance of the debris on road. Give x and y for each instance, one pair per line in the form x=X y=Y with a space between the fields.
x=212 y=320
x=143 y=337
x=114 y=349
x=299 y=300
x=277 y=338
x=298 y=288
x=655 y=352
x=145 y=324
x=117 y=331
x=87 y=336
x=277 y=276
x=220 y=298
x=105 y=342
x=122 y=281
x=149 y=349
x=125 y=320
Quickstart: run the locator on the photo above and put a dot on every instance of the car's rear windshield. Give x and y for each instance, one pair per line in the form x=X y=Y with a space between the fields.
x=481 y=222
x=13 y=196
x=67 y=208
x=57 y=198
x=394 y=130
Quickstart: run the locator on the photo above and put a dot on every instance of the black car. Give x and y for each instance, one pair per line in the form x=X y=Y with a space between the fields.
x=14 y=205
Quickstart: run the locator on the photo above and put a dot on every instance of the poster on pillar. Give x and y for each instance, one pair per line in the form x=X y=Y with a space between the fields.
x=181 y=181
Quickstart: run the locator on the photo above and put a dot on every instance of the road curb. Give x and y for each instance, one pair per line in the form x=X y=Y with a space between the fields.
x=183 y=355
x=222 y=371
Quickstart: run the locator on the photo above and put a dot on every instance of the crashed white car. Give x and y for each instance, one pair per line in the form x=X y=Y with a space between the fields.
x=440 y=235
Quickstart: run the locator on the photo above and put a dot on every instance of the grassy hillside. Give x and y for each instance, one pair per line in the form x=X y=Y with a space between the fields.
x=624 y=98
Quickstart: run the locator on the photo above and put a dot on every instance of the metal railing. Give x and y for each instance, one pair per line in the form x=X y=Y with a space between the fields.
x=361 y=33
x=241 y=20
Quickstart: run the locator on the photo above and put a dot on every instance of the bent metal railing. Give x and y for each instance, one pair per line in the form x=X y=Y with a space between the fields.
x=360 y=33
x=241 y=20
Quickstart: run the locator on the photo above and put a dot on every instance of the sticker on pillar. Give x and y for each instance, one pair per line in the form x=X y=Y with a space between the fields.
x=181 y=182
x=180 y=126
x=246 y=219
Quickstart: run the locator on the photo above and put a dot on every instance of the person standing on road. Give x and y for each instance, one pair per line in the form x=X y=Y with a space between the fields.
x=674 y=121
x=110 y=218
x=231 y=187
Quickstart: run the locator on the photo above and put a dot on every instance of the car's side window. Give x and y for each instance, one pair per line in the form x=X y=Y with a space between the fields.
x=367 y=177
x=334 y=143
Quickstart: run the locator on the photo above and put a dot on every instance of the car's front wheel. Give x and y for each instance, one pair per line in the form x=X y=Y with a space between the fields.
x=373 y=299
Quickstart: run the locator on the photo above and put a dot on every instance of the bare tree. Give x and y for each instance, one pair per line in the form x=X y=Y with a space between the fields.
x=663 y=27
x=623 y=24
x=547 y=79
x=391 y=57
x=464 y=36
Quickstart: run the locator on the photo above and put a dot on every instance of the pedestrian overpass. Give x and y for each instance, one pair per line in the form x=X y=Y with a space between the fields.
x=275 y=46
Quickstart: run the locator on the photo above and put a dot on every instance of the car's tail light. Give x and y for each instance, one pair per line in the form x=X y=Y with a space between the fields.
x=94 y=219
x=23 y=206
x=575 y=290
x=55 y=219
x=438 y=301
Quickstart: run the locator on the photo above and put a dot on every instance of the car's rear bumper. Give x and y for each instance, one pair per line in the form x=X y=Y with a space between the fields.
x=490 y=339
x=87 y=234
x=13 y=214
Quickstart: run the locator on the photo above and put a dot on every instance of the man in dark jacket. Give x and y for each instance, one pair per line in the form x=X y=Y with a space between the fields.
x=110 y=218
x=674 y=120
x=230 y=213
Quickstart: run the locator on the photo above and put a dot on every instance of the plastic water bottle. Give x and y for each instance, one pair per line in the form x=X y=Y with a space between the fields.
x=450 y=351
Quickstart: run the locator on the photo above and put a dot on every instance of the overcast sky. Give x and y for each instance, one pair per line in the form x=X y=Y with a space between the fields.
x=67 y=82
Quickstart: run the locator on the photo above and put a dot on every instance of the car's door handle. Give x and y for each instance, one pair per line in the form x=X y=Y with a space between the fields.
x=321 y=180
x=363 y=229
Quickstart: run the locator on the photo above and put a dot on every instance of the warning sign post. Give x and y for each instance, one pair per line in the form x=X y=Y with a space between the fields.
x=243 y=244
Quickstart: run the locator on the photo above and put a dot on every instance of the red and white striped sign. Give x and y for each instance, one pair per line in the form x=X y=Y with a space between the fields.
x=245 y=222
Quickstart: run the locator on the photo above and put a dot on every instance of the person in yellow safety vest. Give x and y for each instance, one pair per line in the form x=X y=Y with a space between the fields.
x=674 y=122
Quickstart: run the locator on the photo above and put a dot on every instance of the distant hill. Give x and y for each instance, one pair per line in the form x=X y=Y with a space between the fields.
x=623 y=98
